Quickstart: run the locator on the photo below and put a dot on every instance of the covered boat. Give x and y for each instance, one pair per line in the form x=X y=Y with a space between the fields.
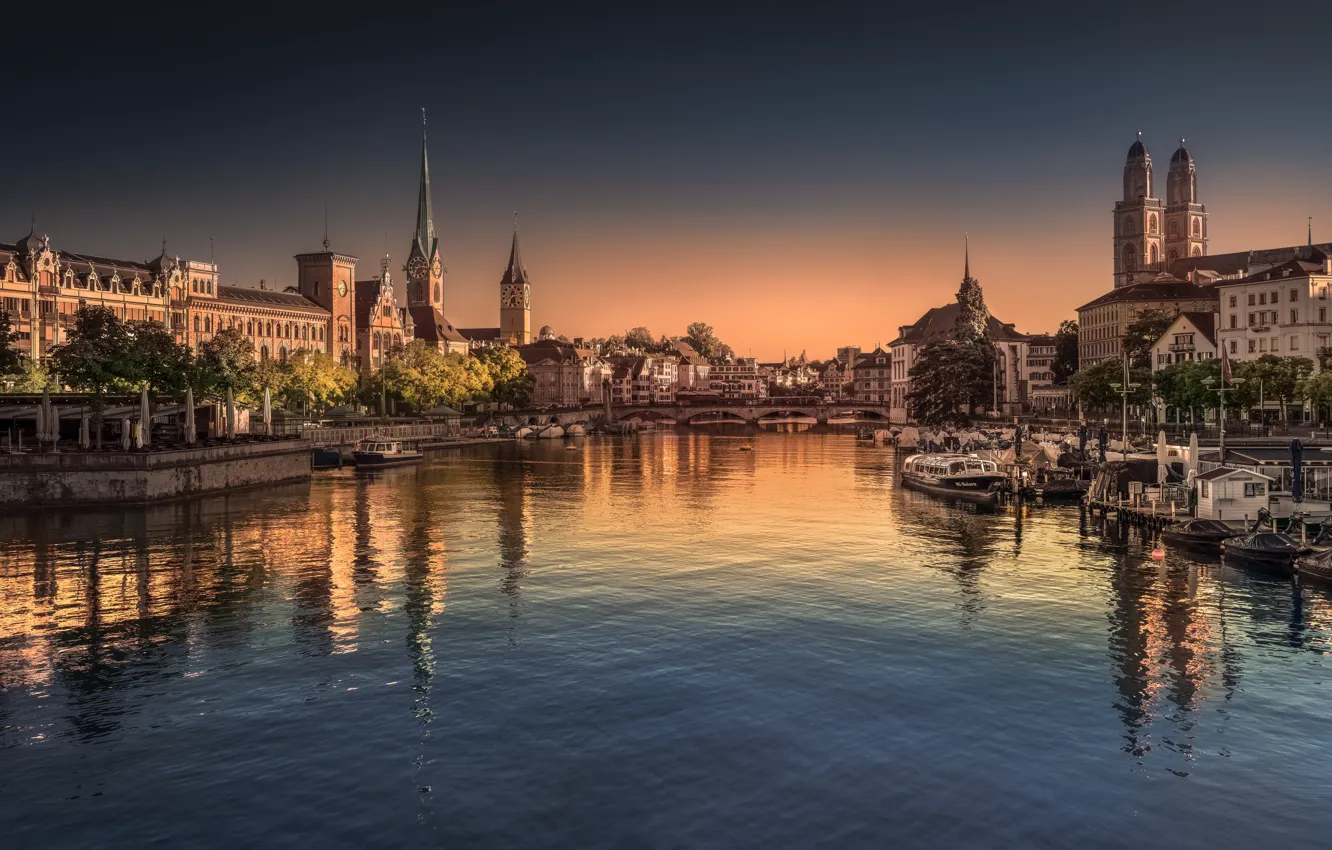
x=1272 y=550
x=1315 y=564
x=379 y=452
x=955 y=476
x=1061 y=489
x=1201 y=534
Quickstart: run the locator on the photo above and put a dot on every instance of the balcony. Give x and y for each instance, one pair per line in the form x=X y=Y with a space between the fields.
x=1180 y=346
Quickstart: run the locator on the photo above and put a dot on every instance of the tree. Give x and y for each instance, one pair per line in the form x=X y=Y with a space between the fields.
x=1317 y=390
x=1143 y=332
x=639 y=338
x=511 y=383
x=1191 y=386
x=1066 y=351
x=701 y=338
x=93 y=358
x=949 y=379
x=226 y=360
x=33 y=377
x=1094 y=386
x=11 y=360
x=153 y=357
x=1277 y=377
x=318 y=379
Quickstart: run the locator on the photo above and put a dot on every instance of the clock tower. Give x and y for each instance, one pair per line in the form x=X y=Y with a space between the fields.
x=425 y=272
x=515 y=298
x=328 y=279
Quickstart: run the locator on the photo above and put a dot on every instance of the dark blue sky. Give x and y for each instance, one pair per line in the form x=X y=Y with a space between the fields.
x=760 y=169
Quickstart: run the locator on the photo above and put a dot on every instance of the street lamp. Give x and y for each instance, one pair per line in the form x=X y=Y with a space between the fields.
x=1222 y=389
x=1124 y=390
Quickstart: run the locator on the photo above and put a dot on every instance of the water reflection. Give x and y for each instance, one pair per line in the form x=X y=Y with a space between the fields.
x=773 y=590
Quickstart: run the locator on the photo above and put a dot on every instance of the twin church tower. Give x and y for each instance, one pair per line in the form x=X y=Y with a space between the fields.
x=425 y=280
x=1149 y=235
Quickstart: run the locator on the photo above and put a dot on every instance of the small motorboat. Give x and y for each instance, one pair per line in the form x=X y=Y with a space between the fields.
x=379 y=452
x=326 y=458
x=1315 y=564
x=1061 y=489
x=551 y=432
x=1265 y=549
x=1204 y=535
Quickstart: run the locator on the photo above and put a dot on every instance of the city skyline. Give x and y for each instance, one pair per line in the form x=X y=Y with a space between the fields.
x=795 y=189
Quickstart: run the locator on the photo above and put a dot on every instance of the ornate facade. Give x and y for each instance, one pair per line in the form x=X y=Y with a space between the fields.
x=380 y=323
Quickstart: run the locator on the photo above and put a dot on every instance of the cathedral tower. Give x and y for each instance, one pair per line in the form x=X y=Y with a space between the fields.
x=1137 y=220
x=425 y=273
x=515 y=297
x=1185 y=217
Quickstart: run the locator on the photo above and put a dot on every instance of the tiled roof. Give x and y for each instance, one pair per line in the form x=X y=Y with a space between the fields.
x=367 y=294
x=1241 y=262
x=480 y=334
x=1163 y=287
x=1205 y=323
x=248 y=295
x=1292 y=268
x=432 y=326
x=939 y=322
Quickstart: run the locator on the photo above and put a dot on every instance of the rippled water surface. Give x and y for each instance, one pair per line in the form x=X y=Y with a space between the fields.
x=667 y=641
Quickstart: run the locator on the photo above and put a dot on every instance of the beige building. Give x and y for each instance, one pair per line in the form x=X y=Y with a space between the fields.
x=381 y=325
x=563 y=375
x=1102 y=322
x=737 y=380
x=1281 y=310
x=1192 y=336
x=874 y=377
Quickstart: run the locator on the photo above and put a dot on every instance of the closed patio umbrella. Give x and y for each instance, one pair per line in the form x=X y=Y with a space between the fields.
x=41 y=426
x=189 y=416
x=231 y=415
x=84 y=440
x=145 y=419
x=1162 y=459
x=1296 y=471
x=125 y=434
x=268 y=414
x=1193 y=454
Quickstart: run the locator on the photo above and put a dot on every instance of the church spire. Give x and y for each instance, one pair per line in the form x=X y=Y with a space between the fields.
x=966 y=257
x=515 y=273
x=425 y=225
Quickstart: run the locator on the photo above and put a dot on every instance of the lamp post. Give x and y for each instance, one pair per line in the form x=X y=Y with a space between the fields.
x=1124 y=390
x=1221 y=390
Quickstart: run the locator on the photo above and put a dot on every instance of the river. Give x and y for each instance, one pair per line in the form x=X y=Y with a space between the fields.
x=661 y=641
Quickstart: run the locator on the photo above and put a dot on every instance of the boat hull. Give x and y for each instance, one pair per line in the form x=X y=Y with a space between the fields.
x=1270 y=557
x=374 y=460
x=985 y=495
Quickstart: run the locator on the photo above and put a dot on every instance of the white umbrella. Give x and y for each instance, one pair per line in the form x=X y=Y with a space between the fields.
x=231 y=415
x=1162 y=459
x=1193 y=453
x=125 y=434
x=189 y=416
x=44 y=425
x=84 y=439
x=268 y=414
x=41 y=426
x=145 y=419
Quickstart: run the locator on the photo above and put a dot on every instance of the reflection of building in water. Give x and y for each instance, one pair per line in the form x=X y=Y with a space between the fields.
x=511 y=496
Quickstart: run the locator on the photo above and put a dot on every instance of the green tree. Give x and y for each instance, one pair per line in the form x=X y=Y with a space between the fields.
x=153 y=357
x=1317 y=390
x=511 y=383
x=11 y=359
x=1277 y=377
x=1143 y=333
x=1095 y=385
x=318 y=379
x=33 y=377
x=701 y=337
x=226 y=360
x=639 y=338
x=949 y=379
x=1066 y=351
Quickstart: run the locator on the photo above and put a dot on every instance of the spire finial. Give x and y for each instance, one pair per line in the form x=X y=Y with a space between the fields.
x=515 y=221
x=163 y=244
x=1311 y=230
x=326 y=223
x=1140 y=135
x=423 y=119
x=1181 y=141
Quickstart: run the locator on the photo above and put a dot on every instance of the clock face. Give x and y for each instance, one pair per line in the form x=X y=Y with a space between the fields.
x=342 y=288
x=416 y=268
x=513 y=296
x=435 y=267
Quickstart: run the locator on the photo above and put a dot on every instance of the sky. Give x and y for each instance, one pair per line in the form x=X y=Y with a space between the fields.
x=799 y=178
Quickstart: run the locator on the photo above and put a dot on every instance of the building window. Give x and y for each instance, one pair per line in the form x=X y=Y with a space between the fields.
x=197 y=324
x=1294 y=295
x=1253 y=488
x=1294 y=316
x=1294 y=343
x=1233 y=299
x=1322 y=314
x=1234 y=346
x=1251 y=299
x=1276 y=296
x=1234 y=320
x=1253 y=346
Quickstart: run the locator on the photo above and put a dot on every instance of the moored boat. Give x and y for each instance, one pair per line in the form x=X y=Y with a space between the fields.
x=1204 y=535
x=954 y=476
x=1061 y=489
x=379 y=452
x=1264 y=549
x=1315 y=564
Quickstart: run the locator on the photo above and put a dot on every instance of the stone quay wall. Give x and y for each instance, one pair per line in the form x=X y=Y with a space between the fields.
x=75 y=478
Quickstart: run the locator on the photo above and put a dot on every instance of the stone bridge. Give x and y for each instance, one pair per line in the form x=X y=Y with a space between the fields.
x=747 y=412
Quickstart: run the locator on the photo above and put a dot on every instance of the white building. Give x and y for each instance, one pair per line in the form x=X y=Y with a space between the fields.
x=1282 y=310
x=737 y=380
x=1228 y=493
x=1192 y=336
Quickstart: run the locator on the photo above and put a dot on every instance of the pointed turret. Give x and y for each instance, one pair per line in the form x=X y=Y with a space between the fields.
x=424 y=240
x=516 y=272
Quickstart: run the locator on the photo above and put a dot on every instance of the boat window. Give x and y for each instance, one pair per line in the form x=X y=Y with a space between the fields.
x=956 y=467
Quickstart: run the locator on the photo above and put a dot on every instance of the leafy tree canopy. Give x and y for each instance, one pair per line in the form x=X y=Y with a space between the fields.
x=1066 y=351
x=1143 y=332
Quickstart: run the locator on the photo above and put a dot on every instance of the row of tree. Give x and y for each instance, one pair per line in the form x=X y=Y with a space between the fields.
x=1191 y=386
x=640 y=340
x=104 y=355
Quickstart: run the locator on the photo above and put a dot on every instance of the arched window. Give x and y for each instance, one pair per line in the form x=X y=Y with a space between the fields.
x=1197 y=227
x=1130 y=258
x=1129 y=227
x=397 y=339
x=305 y=331
x=1174 y=229
x=263 y=352
x=437 y=292
x=249 y=327
x=1197 y=251
x=1151 y=223
x=268 y=328
x=1152 y=250
x=197 y=324
x=282 y=354
x=1174 y=255
x=208 y=324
